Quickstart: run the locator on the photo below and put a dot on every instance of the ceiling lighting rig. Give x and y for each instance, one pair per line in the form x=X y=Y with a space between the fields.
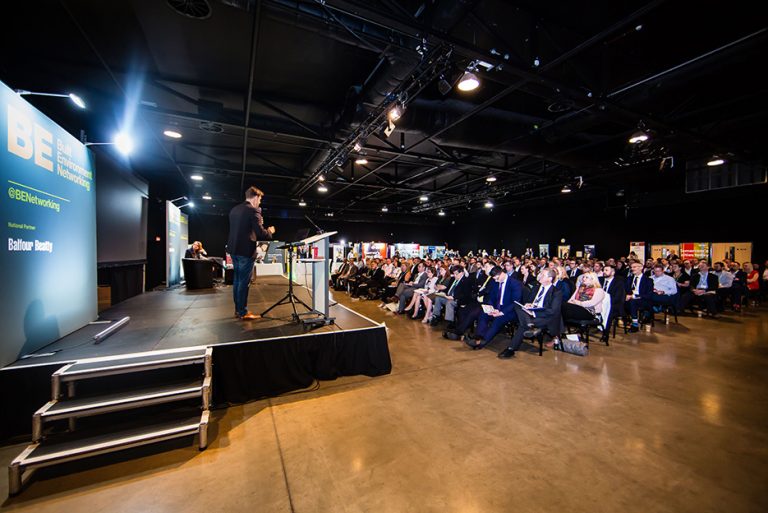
x=383 y=117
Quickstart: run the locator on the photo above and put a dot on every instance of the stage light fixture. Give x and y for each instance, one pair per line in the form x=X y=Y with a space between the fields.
x=357 y=147
x=329 y=214
x=173 y=134
x=361 y=161
x=123 y=143
x=321 y=178
x=322 y=188
x=302 y=203
x=78 y=101
x=423 y=198
x=489 y=204
x=196 y=178
x=441 y=213
x=395 y=113
x=715 y=161
x=384 y=209
x=565 y=189
x=638 y=137
x=207 y=196
x=468 y=82
x=490 y=179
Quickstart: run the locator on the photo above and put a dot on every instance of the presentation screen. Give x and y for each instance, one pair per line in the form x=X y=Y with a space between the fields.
x=48 y=210
x=122 y=204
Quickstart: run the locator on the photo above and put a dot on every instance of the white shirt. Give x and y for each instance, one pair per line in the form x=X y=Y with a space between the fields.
x=501 y=291
x=540 y=295
x=636 y=284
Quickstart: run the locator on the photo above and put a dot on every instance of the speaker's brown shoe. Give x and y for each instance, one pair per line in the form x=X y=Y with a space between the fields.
x=250 y=316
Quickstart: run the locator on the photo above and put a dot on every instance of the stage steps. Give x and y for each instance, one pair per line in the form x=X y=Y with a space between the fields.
x=50 y=448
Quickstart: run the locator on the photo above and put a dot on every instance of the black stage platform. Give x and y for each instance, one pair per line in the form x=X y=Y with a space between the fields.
x=251 y=359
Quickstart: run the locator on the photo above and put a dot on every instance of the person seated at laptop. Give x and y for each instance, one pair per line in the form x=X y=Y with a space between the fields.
x=196 y=251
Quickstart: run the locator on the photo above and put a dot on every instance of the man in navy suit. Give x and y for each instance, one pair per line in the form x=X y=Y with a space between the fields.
x=639 y=289
x=544 y=311
x=502 y=299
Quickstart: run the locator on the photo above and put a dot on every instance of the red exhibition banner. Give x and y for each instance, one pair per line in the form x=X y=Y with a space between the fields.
x=694 y=250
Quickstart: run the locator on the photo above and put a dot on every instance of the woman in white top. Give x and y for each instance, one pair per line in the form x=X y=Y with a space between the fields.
x=586 y=303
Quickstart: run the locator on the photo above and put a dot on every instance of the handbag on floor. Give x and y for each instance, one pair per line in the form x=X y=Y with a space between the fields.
x=576 y=347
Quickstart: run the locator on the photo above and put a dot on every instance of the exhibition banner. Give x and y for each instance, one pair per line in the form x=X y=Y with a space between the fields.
x=564 y=251
x=589 y=251
x=694 y=250
x=48 y=211
x=638 y=248
x=734 y=251
x=664 y=250
x=543 y=250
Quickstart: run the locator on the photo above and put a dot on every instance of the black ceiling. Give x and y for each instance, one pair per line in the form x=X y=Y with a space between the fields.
x=571 y=81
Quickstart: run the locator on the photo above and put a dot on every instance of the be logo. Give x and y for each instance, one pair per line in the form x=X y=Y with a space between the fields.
x=27 y=139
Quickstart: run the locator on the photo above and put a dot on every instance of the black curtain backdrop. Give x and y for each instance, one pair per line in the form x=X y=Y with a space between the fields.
x=252 y=370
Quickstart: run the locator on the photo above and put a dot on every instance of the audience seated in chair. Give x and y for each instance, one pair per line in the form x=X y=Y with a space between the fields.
x=639 y=291
x=543 y=312
x=503 y=297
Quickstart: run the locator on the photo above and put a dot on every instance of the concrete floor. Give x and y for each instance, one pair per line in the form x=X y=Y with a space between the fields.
x=675 y=420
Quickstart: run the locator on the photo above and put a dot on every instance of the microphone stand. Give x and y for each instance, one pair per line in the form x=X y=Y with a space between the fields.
x=319 y=230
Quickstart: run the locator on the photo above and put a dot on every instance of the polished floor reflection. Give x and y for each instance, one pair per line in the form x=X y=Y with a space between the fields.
x=675 y=420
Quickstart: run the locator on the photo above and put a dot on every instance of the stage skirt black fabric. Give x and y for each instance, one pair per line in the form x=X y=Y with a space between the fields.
x=251 y=370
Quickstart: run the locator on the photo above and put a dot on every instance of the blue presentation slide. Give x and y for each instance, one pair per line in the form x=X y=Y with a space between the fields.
x=48 y=222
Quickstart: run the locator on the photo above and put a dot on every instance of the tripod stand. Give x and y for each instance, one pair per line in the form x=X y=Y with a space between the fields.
x=290 y=297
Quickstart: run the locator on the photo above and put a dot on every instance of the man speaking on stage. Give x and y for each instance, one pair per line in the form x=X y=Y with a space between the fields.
x=246 y=226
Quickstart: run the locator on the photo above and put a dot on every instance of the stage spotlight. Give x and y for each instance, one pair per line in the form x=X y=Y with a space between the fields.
x=441 y=213
x=321 y=178
x=302 y=203
x=395 y=113
x=77 y=100
x=489 y=204
x=329 y=214
x=490 y=179
x=197 y=178
x=362 y=161
x=173 y=134
x=207 y=196
x=123 y=143
x=384 y=209
x=565 y=189
x=357 y=147
x=468 y=82
x=715 y=161
x=72 y=96
x=191 y=204
x=322 y=188
x=423 y=198
x=638 y=137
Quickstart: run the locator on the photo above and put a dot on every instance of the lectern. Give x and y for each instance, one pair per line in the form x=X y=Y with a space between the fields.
x=317 y=314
